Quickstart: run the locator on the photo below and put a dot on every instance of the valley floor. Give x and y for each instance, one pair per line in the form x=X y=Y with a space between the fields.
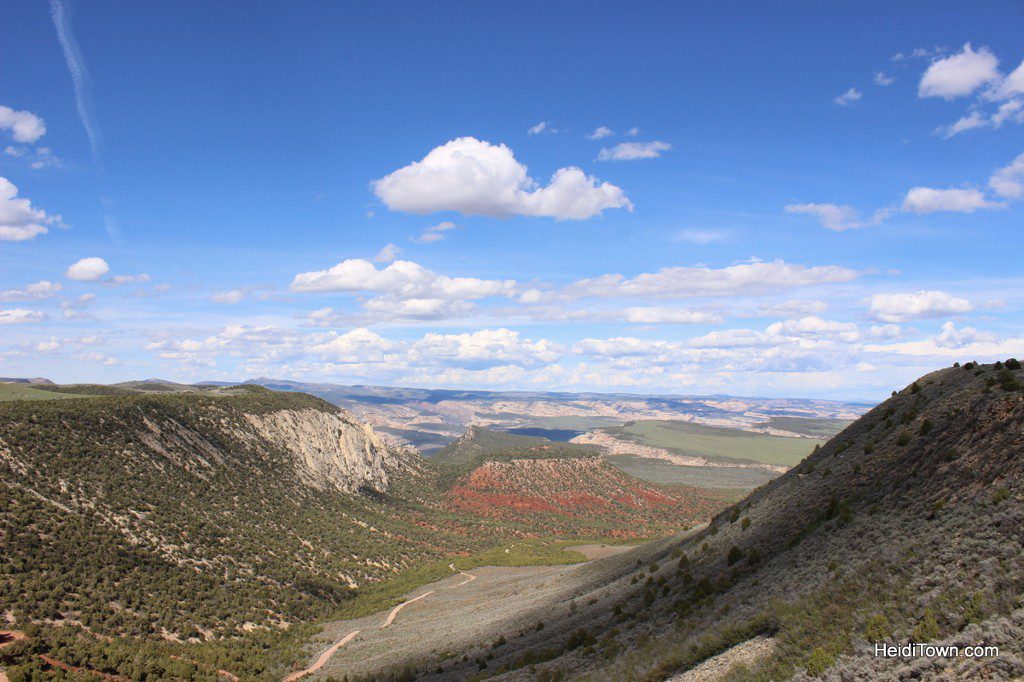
x=465 y=612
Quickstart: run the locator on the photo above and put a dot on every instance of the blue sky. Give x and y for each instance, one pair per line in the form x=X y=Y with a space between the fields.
x=807 y=199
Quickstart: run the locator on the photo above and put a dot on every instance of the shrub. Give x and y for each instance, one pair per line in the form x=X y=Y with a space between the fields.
x=819 y=661
x=745 y=524
x=915 y=387
x=1000 y=494
x=735 y=554
x=1013 y=363
x=927 y=629
x=926 y=426
x=878 y=628
x=903 y=438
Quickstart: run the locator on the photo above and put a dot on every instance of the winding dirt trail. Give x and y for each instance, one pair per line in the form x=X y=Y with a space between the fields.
x=322 y=658
x=326 y=655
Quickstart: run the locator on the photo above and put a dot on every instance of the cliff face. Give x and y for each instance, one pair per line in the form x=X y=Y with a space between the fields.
x=330 y=451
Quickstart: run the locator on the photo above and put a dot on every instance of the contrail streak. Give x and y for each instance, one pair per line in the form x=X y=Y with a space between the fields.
x=79 y=75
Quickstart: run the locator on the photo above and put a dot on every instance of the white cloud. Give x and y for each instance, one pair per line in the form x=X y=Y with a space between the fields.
x=883 y=79
x=925 y=200
x=541 y=127
x=20 y=316
x=486 y=346
x=1008 y=182
x=662 y=315
x=631 y=151
x=388 y=253
x=391 y=307
x=19 y=220
x=72 y=308
x=960 y=74
x=357 y=346
x=402 y=278
x=600 y=133
x=633 y=132
x=1012 y=85
x=839 y=218
x=967 y=344
x=88 y=270
x=475 y=177
x=434 y=233
x=788 y=308
x=118 y=280
x=32 y=292
x=815 y=327
x=24 y=126
x=230 y=297
x=963 y=124
x=903 y=307
x=848 y=97
x=951 y=337
x=38 y=157
x=755 y=278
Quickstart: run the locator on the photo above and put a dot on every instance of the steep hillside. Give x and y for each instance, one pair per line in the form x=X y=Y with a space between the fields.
x=905 y=527
x=185 y=512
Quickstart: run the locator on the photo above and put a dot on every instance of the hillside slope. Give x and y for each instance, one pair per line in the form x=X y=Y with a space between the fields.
x=907 y=526
x=183 y=513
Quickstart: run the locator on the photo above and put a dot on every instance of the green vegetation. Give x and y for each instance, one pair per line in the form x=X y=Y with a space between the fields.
x=815 y=427
x=687 y=438
x=13 y=392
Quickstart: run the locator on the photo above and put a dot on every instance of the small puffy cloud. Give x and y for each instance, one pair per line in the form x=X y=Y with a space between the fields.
x=663 y=315
x=1008 y=182
x=925 y=200
x=388 y=253
x=88 y=270
x=475 y=177
x=883 y=79
x=903 y=307
x=757 y=278
x=230 y=297
x=600 y=133
x=23 y=126
x=966 y=343
x=20 y=316
x=402 y=278
x=434 y=233
x=542 y=127
x=839 y=218
x=850 y=96
x=19 y=220
x=633 y=132
x=631 y=151
x=960 y=74
x=32 y=292
x=885 y=331
x=38 y=158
